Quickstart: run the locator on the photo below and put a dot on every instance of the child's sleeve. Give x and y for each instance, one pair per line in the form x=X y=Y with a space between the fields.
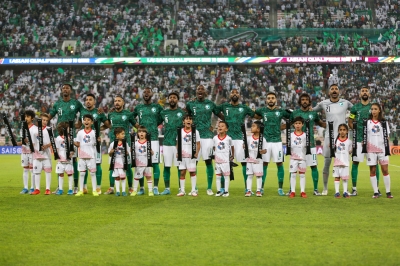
x=197 y=136
x=264 y=144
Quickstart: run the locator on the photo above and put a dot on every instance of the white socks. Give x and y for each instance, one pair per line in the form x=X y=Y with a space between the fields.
x=48 y=180
x=182 y=184
x=117 y=183
x=193 y=180
x=218 y=180
x=25 y=177
x=345 y=183
x=293 y=182
x=374 y=183
x=249 y=182
x=150 y=184
x=227 y=182
x=386 y=180
x=337 y=184
x=135 y=184
x=37 y=181
x=302 y=182
x=81 y=180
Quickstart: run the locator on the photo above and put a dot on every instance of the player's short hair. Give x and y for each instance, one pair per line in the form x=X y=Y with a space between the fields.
x=142 y=129
x=271 y=93
x=118 y=130
x=67 y=84
x=187 y=116
x=201 y=85
x=174 y=93
x=90 y=95
x=119 y=96
x=147 y=88
x=45 y=115
x=304 y=95
x=223 y=122
x=258 y=123
x=88 y=116
x=364 y=87
x=334 y=84
x=30 y=113
x=298 y=119
x=380 y=116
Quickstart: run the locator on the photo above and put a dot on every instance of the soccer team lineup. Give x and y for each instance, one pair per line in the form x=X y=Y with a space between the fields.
x=134 y=149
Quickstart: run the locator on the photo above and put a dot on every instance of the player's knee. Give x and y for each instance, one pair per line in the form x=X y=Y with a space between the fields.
x=208 y=161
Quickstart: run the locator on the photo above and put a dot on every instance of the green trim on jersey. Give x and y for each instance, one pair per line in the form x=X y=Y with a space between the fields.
x=172 y=120
x=149 y=117
x=94 y=112
x=312 y=116
x=202 y=112
x=359 y=112
x=121 y=119
x=66 y=111
x=272 y=119
x=234 y=117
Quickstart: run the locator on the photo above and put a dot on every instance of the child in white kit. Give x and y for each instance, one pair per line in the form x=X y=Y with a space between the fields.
x=343 y=149
x=64 y=165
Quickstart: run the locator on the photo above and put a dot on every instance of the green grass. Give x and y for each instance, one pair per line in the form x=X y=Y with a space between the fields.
x=272 y=230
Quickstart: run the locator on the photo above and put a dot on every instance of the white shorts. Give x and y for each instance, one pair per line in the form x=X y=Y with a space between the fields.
x=62 y=168
x=341 y=171
x=359 y=156
x=274 y=151
x=155 y=146
x=87 y=164
x=169 y=154
x=239 y=150
x=119 y=172
x=254 y=169
x=374 y=158
x=141 y=171
x=43 y=164
x=188 y=164
x=206 y=149
x=223 y=169
x=311 y=159
x=297 y=166
x=27 y=160
x=326 y=150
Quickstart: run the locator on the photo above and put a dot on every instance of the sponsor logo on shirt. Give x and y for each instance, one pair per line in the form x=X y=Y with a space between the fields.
x=86 y=138
x=187 y=138
x=221 y=146
x=254 y=144
x=297 y=141
x=376 y=129
x=341 y=147
x=142 y=149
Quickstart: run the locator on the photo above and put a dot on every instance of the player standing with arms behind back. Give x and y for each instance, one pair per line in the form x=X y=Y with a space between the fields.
x=272 y=117
x=201 y=110
x=335 y=110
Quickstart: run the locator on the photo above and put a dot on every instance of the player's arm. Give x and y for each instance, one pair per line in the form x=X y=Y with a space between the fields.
x=110 y=149
x=53 y=111
x=232 y=152
x=318 y=107
x=105 y=125
x=352 y=117
x=78 y=124
x=198 y=146
x=258 y=114
x=218 y=112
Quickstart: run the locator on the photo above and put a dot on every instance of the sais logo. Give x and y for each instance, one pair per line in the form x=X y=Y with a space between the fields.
x=179 y=114
x=221 y=146
x=142 y=149
x=240 y=109
x=86 y=138
x=311 y=117
x=297 y=141
x=376 y=129
x=72 y=107
x=277 y=113
x=187 y=138
x=254 y=144
x=207 y=106
x=123 y=117
x=154 y=110
x=341 y=147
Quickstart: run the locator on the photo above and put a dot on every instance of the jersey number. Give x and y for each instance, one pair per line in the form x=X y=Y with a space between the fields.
x=59 y=111
x=166 y=119
x=226 y=112
x=328 y=109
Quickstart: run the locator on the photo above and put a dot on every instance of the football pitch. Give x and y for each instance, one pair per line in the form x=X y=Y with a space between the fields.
x=170 y=230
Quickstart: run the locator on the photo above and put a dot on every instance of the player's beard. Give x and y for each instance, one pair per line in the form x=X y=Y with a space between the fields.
x=147 y=99
x=271 y=104
x=365 y=97
x=234 y=99
x=117 y=108
x=305 y=106
x=172 y=105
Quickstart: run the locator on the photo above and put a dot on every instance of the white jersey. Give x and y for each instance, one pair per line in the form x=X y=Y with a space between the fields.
x=25 y=148
x=187 y=142
x=298 y=146
x=252 y=144
x=61 y=149
x=342 y=154
x=375 y=142
x=141 y=153
x=46 y=153
x=87 y=144
x=119 y=155
x=222 y=150
x=334 y=111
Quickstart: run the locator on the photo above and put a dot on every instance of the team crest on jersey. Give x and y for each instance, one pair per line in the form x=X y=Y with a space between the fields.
x=310 y=116
x=341 y=104
x=254 y=144
x=124 y=117
x=95 y=116
x=341 y=147
x=179 y=114
x=72 y=107
x=240 y=109
x=376 y=129
x=154 y=109
x=119 y=150
x=207 y=106
x=86 y=138
x=221 y=146
x=277 y=113
x=62 y=145
x=142 y=149
x=187 y=138
x=297 y=141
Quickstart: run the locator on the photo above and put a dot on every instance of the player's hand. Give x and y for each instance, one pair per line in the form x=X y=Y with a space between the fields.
x=71 y=154
x=211 y=128
x=99 y=139
x=196 y=154
x=112 y=109
x=231 y=158
x=19 y=143
x=152 y=152
x=263 y=151
x=26 y=140
x=100 y=110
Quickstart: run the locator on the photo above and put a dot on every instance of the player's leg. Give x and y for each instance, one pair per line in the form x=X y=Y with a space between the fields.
x=327 y=165
x=206 y=146
x=266 y=159
x=69 y=169
x=112 y=183
x=345 y=180
x=99 y=175
x=85 y=191
x=311 y=160
x=182 y=167
x=139 y=174
x=82 y=167
x=384 y=162
x=169 y=158
x=249 y=180
x=47 y=167
x=193 y=181
x=359 y=158
x=30 y=164
x=293 y=175
x=258 y=172
x=141 y=183
x=117 y=184
x=25 y=174
x=123 y=183
x=218 y=175
x=277 y=156
x=37 y=169
x=244 y=174
x=239 y=156
x=336 y=176
x=155 y=146
x=76 y=174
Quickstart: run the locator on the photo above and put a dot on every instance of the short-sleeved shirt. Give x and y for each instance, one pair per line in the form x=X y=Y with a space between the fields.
x=307 y=115
x=172 y=120
x=342 y=153
x=101 y=118
x=121 y=119
x=298 y=146
x=66 y=111
x=148 y=115
x=187 y=142
x=358 y=113
x=222 y=150
x=272 y=119
x=234 y=117
x=375 y=138
x=87 y=144
x=202 y=112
